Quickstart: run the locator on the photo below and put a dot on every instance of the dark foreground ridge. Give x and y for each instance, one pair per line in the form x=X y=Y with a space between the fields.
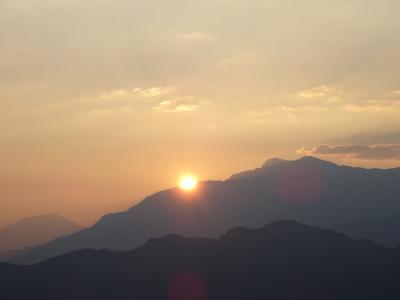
x=283 y=260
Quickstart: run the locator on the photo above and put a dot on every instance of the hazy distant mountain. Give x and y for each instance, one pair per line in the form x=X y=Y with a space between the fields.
x=307 y=190
x=283 y=260
x=35 y=231
x=9 y=255
x=385 y=231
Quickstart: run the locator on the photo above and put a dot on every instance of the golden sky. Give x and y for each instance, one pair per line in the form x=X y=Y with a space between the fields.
x=103 y=102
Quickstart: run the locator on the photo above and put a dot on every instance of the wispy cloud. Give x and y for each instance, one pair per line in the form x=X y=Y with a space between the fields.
x=387 y=102
x=322 y=92
x=161 y=98
x=363 y=152
x=149 y=92
x=153 y=91
x=179 y=105
x=374 y=106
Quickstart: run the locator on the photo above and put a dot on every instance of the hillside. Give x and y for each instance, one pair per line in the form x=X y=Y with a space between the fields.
x=307 y=190
x=283 y=260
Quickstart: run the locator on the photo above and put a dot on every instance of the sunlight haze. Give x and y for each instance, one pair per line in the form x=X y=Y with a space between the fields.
x=105 y=102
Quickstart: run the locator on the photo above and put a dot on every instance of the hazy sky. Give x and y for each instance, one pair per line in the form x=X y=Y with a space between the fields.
x=105 y=101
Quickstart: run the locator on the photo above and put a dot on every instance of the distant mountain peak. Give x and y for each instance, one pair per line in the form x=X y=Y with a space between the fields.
x=273 y=162
x=312 y=160
x=285 y=223
x=35 y=230
x=42 y=217
x=305 y=159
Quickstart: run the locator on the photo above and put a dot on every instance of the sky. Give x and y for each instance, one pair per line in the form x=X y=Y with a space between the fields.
x=104 y=102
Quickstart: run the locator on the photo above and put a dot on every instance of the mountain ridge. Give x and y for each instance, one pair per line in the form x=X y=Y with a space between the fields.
x=308 y=190
x=282 y=260
x=35 y=230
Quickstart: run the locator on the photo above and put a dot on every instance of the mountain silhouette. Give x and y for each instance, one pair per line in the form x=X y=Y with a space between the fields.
x=307 y=190
x=283 y=260
x=385 y=231
x=35 y=230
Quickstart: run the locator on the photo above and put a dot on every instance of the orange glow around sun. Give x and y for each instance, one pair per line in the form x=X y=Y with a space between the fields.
x=188 y=182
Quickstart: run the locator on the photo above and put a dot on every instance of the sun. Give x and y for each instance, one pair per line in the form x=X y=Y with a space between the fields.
x=188 y=182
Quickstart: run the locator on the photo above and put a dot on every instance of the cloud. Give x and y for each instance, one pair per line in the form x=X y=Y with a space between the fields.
x=316 y=92
x=161 y=98
x=388 y=102
x=394 y=95
x=179 y=105
x=374 y=106
x=363 y=152
x=121 y=101
x=322 y=92
x=153 y=91
x=150 y=92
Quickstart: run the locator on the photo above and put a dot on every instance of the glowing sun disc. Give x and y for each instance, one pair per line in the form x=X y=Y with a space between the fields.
x=188 y=183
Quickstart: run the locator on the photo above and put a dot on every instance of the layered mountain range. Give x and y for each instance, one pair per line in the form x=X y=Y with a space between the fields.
x=283 y=260
x=307 y=190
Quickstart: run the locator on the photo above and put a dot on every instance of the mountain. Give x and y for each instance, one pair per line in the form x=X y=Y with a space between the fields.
x=8 y=255
x=35 y=231
x=385 y=231
x=281 y=261
x=307 y=190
